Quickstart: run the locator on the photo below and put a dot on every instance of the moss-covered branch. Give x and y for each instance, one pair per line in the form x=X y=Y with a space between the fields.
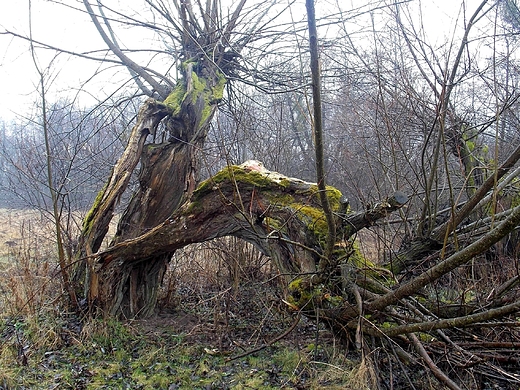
x=246 y=197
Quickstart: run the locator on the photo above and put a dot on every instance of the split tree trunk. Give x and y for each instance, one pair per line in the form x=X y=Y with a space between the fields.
x=167 y=179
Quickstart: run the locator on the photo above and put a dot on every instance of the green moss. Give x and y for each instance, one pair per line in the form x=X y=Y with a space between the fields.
x=333 y=195
x=175 y=98
x=425 y=337
x=285 y=183
x=273 y=224
x=386 y=325
x=300 y=293
x=288 y=360
x=190 y=61
x=199 y=85
x=314 y=219
x=280 y=199
x=89 y=218
x=218 y=89
x=252 y=380
x=357 y=259
x=199 y=90
x=334 y=301
x=156 y=380
x=233 y=173
x=305 y=296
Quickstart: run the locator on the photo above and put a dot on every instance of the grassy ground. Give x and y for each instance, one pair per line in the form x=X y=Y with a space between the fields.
x=218 y=303
x=192 y=349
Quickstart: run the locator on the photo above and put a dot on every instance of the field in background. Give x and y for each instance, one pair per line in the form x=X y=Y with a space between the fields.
x=24 y=230
x=32 y=232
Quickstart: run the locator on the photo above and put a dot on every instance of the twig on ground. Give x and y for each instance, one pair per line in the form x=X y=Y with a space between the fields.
x=278 y=338
x=441 y=376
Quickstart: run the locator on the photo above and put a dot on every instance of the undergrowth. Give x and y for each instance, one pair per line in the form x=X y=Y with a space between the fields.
x=220 y=308
x=45 y=353
x=211 y=313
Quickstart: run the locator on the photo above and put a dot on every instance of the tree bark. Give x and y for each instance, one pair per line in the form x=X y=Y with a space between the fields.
x=281 y=216
x=167 y=179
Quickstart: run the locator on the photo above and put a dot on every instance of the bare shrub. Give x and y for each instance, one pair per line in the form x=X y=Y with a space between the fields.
x=214 y=266
x=28 y=275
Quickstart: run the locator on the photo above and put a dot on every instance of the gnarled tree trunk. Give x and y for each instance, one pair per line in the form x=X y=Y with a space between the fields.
x=281 y=216
x=167 y=179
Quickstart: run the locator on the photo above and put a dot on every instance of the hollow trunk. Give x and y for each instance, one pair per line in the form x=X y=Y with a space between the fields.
x=167 y=179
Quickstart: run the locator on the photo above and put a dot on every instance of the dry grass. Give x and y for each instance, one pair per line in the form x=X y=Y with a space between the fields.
x=23 y=231
x=29 y=274
x=28 y=263
x=221 y=295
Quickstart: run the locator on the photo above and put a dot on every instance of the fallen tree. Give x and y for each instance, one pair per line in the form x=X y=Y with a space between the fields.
x=284 y=217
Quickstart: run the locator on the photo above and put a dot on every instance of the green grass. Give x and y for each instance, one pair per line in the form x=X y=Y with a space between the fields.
x=115 y=355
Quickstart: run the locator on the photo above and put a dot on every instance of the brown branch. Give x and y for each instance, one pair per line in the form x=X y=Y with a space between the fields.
x=358 y=221
x=226 y=35
x=441 y=376
x=124 y=59
x=276 y=339
x=505 y=287
x=453 y=322
x=97 y=220
x=452 y=262
x=439 y=233
x=217 y=209
x=318 y=135
x=133 y=73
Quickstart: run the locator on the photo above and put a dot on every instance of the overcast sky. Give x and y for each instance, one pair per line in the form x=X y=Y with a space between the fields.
x=72 y=30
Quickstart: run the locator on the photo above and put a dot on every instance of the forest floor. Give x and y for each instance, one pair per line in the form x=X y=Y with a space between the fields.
x=221 y=324
x=215 y=329
x=173 y=350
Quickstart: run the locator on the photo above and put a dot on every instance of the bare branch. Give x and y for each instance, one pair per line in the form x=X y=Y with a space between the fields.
x=161 y=90
x=452 y=262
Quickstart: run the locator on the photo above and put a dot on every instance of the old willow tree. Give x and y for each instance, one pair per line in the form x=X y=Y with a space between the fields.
x=183 y=111
x=283 y=217
x=313 y=247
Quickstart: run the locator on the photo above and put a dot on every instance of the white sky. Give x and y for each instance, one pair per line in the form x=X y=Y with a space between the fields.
x=55 y=25
x=71 y=29
x=59 y=26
